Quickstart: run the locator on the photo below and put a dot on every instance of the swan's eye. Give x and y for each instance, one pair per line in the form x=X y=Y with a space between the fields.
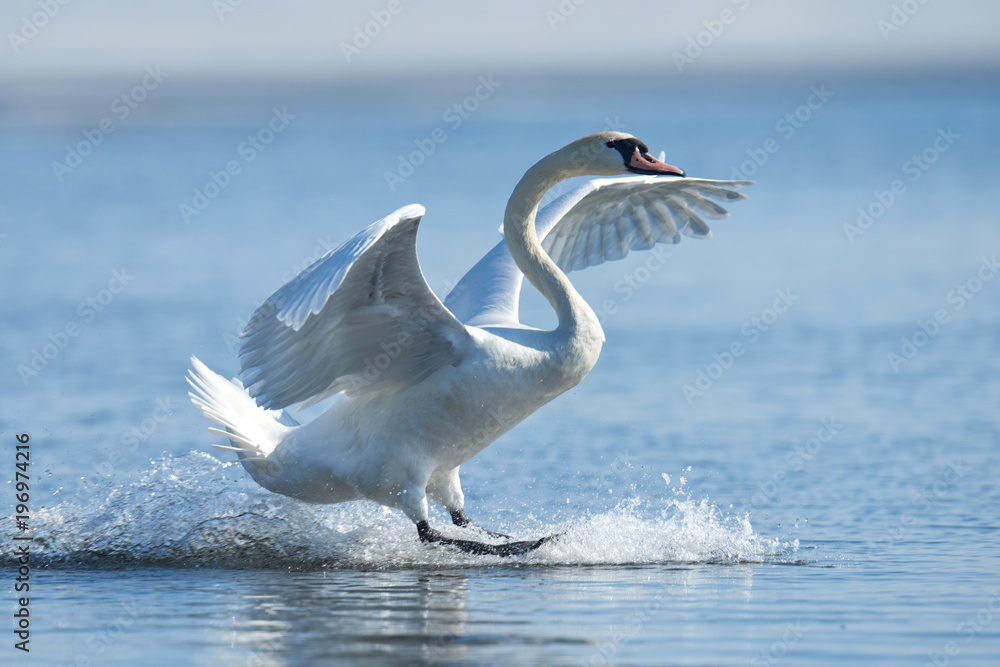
x=610 y=144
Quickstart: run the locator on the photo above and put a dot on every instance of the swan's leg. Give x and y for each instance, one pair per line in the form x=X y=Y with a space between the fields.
x=428 y=534
x=461 y=519
x=414 y=503
x=445 y=489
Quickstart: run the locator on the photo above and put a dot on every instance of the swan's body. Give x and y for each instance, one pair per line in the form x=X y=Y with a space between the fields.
x=422 y=386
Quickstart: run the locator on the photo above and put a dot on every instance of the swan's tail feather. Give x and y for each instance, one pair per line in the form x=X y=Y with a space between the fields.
x=252 y=431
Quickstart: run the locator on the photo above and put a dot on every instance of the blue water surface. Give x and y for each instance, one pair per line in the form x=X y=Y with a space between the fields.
x=827 y=495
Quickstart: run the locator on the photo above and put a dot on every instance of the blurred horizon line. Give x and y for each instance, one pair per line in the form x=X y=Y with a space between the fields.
x=172 y=98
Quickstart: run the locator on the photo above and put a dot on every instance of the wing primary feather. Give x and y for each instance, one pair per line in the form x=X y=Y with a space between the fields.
x=667 y=224
x=704 y=206
x=313 y=336
x=602 y=220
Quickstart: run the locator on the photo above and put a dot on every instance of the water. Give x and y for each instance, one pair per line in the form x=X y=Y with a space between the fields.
x=811 y=500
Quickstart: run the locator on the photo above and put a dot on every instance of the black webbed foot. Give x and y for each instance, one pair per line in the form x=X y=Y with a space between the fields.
x=428 y=534
x=462 y=520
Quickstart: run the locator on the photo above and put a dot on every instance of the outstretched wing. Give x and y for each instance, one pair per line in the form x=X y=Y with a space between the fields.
x=635 y=214
x=360 y=319
x=598 y=222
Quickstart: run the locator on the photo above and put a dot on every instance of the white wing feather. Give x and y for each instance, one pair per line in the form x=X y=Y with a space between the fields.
x=617 y=215
x=600 y=221
x=360 y=319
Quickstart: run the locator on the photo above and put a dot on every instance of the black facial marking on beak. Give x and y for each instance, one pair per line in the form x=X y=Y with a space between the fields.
x=648 y=165
x=627 y=147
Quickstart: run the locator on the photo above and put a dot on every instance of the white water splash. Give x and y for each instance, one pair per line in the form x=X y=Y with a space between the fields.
x=195 y=511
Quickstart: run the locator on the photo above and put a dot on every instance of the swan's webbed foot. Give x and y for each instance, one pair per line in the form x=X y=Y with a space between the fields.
x=428 y=534
x=462 y=520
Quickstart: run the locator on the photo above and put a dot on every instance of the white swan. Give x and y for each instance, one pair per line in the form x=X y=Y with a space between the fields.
x=422 y=386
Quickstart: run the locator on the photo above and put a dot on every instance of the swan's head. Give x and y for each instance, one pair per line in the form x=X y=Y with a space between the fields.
x=613 y=154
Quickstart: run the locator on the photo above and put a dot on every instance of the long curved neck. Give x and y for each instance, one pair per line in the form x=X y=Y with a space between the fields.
x=575 y=316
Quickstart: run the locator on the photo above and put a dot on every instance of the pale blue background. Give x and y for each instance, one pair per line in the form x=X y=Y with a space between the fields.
x=696 y=532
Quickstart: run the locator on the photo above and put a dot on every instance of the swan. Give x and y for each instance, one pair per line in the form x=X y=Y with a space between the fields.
x=418 y=386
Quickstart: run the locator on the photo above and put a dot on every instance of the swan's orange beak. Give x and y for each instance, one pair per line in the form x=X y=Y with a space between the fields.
x=644 y=163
